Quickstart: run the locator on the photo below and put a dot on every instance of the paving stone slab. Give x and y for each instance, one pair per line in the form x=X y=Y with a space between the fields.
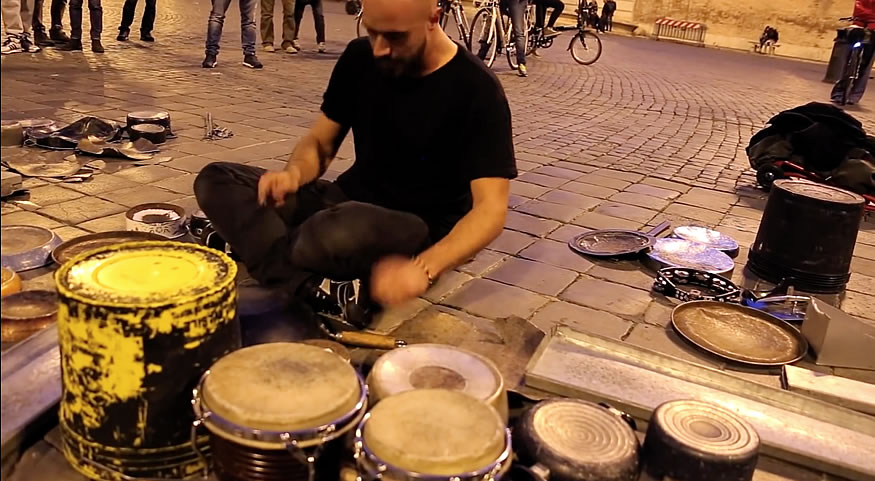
x=183 y=184
x=542 y=180
x=574 y=166
x=603 y=181
x=665 y=341
x=608 y=296
x=659 y=311
x=105 y=224
x=559 y=172
x=101 y=183
x=529 y=224
x=139 y=195
x=640 y=200
x=29 y=218
x=534 y=276
x=570 y=198
x=859 y=304
x=147 y=174
x=494 y=300
x=864 y=251
x=51 y=194
x=863 y=284
x=620 y=174
x=626 y=211
x=511 y=242
x=446 y=284
x=526 y=189
x=590 y=190
x=557 y=254
x=653 y=191
x=705 y=216
x=629 y=273
x=515 y=200
x=567 y=232
x=482 y=262
x=580 y=318
x=549 y=210
x=595 y=220
x=388 y=320
x=741 y=223
x=82 y=209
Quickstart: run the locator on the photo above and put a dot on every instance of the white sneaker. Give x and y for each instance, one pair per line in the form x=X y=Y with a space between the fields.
x=296 y=45
x=321 y=47
x=292 y=49
x=269 y=48
x=11 y=45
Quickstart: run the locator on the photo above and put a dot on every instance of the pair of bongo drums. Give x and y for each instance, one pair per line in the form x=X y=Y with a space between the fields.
x=290 y=411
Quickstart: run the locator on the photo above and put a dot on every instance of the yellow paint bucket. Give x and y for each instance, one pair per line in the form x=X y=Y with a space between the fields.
x=138 y=325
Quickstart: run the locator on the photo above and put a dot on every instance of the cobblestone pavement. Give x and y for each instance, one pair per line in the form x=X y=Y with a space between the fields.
x=652 y=131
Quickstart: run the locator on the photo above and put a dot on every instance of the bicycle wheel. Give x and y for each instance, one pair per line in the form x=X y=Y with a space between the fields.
x=853 y=63
x=585 y=47
x=484 y=36
x=510 y=47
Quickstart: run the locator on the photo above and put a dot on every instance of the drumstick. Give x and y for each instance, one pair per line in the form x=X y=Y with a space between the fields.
x=368 y=339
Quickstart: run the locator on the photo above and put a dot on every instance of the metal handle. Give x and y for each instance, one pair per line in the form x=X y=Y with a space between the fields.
x=368 y=339
x=622 y=415
x=659 y=229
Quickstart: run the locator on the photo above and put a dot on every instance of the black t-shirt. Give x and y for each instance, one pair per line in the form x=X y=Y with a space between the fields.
x=419 y=142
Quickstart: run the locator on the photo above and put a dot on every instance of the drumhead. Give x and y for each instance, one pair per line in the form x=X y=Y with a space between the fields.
x=437 y=366
x=281 y=387
x=435 y=432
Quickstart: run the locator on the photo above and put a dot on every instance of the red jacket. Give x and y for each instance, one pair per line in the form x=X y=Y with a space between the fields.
x=865 y=9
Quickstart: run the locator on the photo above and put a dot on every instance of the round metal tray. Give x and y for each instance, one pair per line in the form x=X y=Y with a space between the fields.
x=738 y=333
x=78 y=245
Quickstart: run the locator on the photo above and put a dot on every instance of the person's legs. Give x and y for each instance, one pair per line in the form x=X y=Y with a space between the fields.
x=540 y=14
x=76 y=19
x=516 y=10
x=95 y=11
x=26 y=13
x=248 y=34
x=318 y=20
x=289 y=25
x=299 y=15
x=558 y=6
x=214 y=25
x=127 y=16
x=267 y=7
x=865 y=70
x=37 y=23
x=57 y=14
x=611 y=22
x=149 y=14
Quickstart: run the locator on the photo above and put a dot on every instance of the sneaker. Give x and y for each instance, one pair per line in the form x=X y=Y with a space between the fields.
x=269 y=48
x=344 y=301
x=321 y=47
x=523 y=70
x=11 y=45
x=551 y=32
x=146 y=37
x=210 y=61
x=40 y=38
x=58 y=36
x=123 y=35
x=251 y=61
x=74 y=44
x=27 y=44
x=296 y=44
x=291 y=49
x=96 y=46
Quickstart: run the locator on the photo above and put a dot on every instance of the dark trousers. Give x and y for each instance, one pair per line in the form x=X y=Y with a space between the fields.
x=607 y=22
x=128 y=11
x=859 y=87
x=317 y=232
x=95 y=11
x=541 y=7
x=318 y=18
x=56 y=10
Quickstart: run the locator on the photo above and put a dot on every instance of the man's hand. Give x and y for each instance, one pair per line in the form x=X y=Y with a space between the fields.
x=396 y=279
x=275 y=186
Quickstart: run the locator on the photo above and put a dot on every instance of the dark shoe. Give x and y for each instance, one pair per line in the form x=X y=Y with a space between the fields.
x=96 y=46
x=123 y=35
x=74 y=44
x=251 y=61
x=40 y=38
x=58 y=36
x=27 y=44
x=344 y=301
x=210 y=61
x=146 y=37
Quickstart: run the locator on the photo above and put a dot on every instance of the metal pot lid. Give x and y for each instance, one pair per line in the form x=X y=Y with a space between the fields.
x=708 y=237
x=149 y=115
x=78 y=245
x=738 y=333
x=827 y=193
x=148 y=128
x=670 y=252
x=28 y=305
x=26 y=247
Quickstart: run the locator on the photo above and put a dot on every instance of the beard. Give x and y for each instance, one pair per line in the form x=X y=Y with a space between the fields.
x=407 y=67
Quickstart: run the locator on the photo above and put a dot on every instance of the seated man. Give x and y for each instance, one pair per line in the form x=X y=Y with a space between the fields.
x=541 y=7
x=769 y=37
x=427 y=191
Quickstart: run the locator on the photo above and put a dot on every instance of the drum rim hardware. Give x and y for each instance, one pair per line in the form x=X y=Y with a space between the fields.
x=290 y=440
x=380 y=467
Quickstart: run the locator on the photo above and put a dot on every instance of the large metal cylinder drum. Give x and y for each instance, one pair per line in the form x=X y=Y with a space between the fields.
x=138 y=325
x=807 y=233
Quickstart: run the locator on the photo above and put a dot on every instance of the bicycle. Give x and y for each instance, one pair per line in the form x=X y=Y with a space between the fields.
x=855 y=60
x=585 y=45
x=455 y=9
x=493 y=32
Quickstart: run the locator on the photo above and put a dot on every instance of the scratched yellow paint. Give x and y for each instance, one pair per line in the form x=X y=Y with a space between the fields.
x=113 y=301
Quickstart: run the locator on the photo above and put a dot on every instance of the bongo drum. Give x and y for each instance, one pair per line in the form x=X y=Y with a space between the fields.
x=438 y=366
x=432 y=433
x=278 y=412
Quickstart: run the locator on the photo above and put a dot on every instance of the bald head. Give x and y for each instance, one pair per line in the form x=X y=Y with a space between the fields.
x=400 y=32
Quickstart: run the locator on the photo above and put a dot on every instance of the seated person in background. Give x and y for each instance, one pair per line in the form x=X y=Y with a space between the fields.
x=427 y=191
x=769 y=36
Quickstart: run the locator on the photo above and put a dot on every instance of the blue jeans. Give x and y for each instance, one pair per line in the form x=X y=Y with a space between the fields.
x=217 y=20
x=517 y=12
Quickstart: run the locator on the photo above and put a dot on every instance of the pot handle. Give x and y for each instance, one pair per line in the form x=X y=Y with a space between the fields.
x=535 y=472
x=620 y=414
x=659 y=229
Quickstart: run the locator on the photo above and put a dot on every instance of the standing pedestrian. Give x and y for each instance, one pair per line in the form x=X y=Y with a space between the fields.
x=17 y=20
x=56 y=30
x=608 y=10
x=95 y=11
x=146 y=25
x=289 y=26
x=318 y=20
x=516 y=10
x=247 y=33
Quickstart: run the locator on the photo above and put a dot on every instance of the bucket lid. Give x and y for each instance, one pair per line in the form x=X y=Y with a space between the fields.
x=281 y=386
x=435 y=432
x=144 y=274
x=817 y=191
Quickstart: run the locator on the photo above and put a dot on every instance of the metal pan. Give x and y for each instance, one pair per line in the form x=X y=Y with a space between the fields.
x=26 y=247
x=738 y=333
x=78 y=245
x=671 y=252
x=615 y=242
x=26 y=313
x=709 y=237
